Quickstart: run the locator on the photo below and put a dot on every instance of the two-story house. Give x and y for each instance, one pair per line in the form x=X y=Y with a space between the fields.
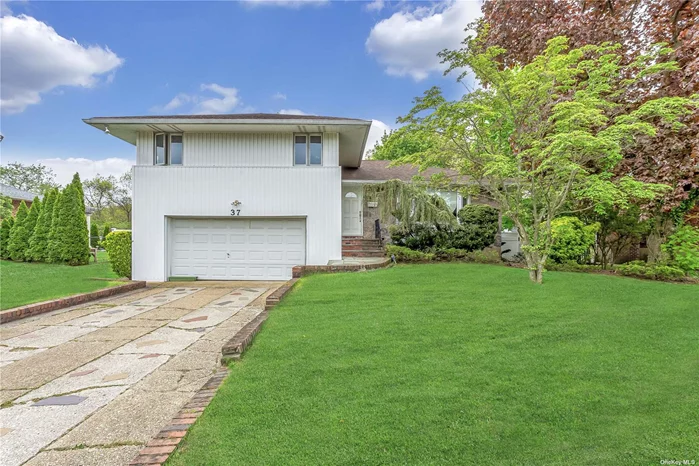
x=248 y=196
x=239 y=197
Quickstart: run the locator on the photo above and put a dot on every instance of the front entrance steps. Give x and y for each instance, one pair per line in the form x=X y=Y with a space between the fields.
x=357 y=246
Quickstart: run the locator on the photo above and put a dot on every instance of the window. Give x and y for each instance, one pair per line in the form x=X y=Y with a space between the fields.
x=160 y=149
x=175 y=149
x=168 y=149
x=300 y=150
x=308 y=149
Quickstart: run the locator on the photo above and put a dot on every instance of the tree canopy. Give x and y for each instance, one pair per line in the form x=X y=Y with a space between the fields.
x=33 y=178
x=670 y=155
x=401 y=143
x=539 y=135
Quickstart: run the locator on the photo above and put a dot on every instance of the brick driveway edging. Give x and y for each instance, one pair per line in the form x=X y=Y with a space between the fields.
x=29 y=310
x=236 y=346
x=158 y=449
x=303 y=270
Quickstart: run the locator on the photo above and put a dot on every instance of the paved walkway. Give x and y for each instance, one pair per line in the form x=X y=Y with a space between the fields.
x=90 y=385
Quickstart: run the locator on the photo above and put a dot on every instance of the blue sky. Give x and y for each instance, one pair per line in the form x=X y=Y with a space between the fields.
x=64 y=61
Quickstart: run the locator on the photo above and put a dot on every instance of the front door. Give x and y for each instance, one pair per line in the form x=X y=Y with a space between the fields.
x=352 y=212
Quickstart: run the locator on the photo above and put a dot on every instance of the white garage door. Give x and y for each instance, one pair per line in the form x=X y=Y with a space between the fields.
x=236 y=249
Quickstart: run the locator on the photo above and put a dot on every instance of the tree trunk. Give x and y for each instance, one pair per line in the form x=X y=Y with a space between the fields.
x=535 y=264
x=657 y=236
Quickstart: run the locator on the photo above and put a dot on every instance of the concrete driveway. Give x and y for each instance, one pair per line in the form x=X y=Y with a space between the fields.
x=91 y=384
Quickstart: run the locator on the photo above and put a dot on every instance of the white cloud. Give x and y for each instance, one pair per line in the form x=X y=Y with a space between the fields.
x=286 y=3
x=279 y=96
x=378 y=128
x=227 y=100
x=375 y=5
x=407 y=43
x=35 y=60
x=66 y=168
x=177 y=102
x=292 y=111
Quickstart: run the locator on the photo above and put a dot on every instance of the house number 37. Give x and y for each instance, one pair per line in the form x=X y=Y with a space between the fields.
x=234 y=210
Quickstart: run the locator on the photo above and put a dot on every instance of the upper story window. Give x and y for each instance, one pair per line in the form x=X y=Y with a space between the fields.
x=168 y=149
x=308 y=149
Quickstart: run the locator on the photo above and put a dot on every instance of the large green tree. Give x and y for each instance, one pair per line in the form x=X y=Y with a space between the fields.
x=54 y=247
x=110 y=197
x=5 y=231
x=74 y=233
x=6 y=207
x=400 y=143
x=669 y=156
x=30 y=224
x=538 y=136
x=38 y=244
x=78 y=185
x=34 y=178
x=19 y=235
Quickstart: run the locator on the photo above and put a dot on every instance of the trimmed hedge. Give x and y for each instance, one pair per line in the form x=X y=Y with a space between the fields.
x=641 y=269
x=403 y=254
x=118 y=246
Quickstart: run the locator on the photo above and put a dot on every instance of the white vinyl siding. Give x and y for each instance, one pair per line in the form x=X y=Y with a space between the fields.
x=236 y=248
x=239 y=149
x=206 y=192
x=144 y=148
x=331 y=149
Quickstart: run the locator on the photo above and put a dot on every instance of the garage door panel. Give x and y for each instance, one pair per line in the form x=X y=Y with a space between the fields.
x=199 y=238
x=257 y=239
x=182 y=238
x=294 y=256
x=218 y=238
x=294 y=239
x=237 y=249
x=237 y=239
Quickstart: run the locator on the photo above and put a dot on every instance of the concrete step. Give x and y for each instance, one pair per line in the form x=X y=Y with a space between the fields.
x=364 y=253
x=354 y=247
x=372 y=242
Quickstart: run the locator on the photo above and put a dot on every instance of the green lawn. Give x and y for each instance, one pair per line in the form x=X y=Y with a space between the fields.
x=26 y=283
x=462 y=364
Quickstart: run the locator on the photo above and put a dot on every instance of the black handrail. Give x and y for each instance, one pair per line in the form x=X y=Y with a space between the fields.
x=377 y=229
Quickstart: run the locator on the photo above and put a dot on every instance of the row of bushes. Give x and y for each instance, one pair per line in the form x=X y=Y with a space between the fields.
x=642 y=269
x=403 y=254
x=573 y=243
x=477 y=229
x=53 y=231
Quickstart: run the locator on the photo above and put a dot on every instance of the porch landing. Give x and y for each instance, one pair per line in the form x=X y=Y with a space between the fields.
x=358 y=261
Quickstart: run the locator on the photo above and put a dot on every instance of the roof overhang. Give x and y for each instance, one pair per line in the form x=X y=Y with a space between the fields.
x=352 y=133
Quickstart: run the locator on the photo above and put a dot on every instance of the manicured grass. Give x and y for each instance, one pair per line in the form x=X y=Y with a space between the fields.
x=462 y=364
x=26 y=283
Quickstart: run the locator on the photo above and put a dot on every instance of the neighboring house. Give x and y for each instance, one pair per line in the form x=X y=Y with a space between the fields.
x=245 y=197
x=17 y=196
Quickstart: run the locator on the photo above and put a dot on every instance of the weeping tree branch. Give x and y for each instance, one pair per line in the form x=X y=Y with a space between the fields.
x=409 y=203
